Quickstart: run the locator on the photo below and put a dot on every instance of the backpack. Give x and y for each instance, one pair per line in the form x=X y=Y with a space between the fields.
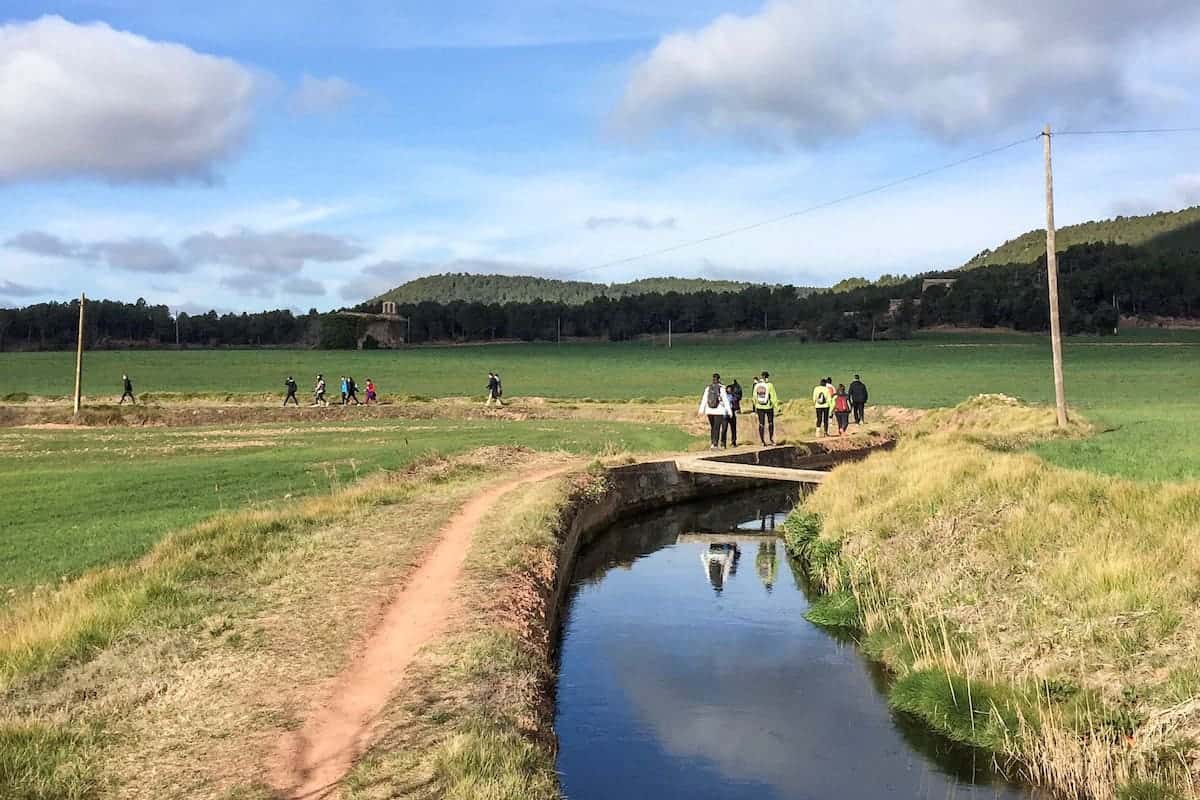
x=841 y=405
x=762 y=394
x=714 y=396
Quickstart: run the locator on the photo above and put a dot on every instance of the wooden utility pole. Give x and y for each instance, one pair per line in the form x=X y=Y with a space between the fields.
x=668 y=334
x=79 y=356
x=1060 y=394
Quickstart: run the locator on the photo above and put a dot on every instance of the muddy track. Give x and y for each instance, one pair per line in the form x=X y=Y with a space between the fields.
x=311 y=762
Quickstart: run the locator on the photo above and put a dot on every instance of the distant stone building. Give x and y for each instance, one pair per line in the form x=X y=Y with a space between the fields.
x=390 y=309
x=385 y=330
x=947 y=282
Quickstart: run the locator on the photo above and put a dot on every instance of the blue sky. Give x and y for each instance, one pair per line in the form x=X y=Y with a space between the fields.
x=202 y=154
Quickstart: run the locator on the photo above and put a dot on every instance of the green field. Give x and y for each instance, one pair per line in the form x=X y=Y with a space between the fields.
x=1144 y=368
x=82 y=498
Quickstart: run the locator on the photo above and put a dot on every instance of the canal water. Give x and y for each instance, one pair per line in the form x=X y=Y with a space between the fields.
x=688 y=671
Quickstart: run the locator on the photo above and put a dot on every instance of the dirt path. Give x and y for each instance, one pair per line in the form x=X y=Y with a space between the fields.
x=311 y=762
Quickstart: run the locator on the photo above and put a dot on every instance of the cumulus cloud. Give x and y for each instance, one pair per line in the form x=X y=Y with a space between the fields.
x=20 y=290
x=303 y=286
x=638 y=222
x=811 y=72
x=138 y=255
x=43 y=244
x=323 y=95
x=88 y=100
x=284 y=252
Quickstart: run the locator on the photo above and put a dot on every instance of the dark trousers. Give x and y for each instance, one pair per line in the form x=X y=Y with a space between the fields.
x=715 y=423
x=291 y=396
x=766 y=424
x=843 y=420
x=729 y=430
x=823 y=420
x=860 y=409
x=132 y=399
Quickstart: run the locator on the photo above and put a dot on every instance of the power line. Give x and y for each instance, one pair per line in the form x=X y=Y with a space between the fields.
x=810 y=209
x=1126 y=132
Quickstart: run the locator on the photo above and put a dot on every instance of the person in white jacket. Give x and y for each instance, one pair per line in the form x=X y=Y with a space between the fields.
x=714 y=404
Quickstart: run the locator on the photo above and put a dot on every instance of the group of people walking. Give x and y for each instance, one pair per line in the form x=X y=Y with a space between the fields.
x=839 y=402
x=349 y=391
x=722 y=404
x=495 y=390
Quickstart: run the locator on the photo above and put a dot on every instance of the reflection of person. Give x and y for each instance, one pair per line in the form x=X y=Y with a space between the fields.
x=766 y=563
x=720 y=563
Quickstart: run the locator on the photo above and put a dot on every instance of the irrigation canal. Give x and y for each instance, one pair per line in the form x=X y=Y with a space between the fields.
x=688 y=671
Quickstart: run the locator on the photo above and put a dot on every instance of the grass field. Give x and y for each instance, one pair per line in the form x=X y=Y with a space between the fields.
x=76 y=499
x=930 y=371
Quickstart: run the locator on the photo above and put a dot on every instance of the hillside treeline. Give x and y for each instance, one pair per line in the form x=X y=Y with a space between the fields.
x=1098 y=282
x=1162 y=232
x=503 y=289
x=112 y=324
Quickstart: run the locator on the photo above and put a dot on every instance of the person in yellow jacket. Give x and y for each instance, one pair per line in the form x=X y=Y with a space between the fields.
x=822 y=400
x=766 y=403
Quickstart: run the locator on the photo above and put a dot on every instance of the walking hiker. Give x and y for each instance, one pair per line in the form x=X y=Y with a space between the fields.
x=372 y=397
x=733 y=393
x=858 y=399
x=319 y=392
x=493 y=389
x=714 y=403
x=352 y=391
x=841 y=408
x=345 y=390
x=821 y=402
x=291 y=386
x=127 y=391
x=766 y=404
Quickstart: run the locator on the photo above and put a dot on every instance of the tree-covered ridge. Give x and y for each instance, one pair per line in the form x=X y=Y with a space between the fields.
x=1162 y=232
x=470 y=288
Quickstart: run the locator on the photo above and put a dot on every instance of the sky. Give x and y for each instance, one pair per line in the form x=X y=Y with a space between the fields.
x=242 y=156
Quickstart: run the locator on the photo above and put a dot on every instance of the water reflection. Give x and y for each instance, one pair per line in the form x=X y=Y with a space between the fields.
x=671 y=687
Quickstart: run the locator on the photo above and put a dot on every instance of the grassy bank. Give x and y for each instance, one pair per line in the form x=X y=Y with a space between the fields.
x=1047 y=615
x=479 y=722
x=76 y=499
x=175 y=676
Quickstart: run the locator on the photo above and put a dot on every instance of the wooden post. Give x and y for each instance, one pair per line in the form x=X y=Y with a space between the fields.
x=79 y=357
x=1060 y=395
x=668 y=334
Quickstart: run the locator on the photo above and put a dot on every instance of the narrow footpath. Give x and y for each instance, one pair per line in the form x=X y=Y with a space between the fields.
x=311 y=762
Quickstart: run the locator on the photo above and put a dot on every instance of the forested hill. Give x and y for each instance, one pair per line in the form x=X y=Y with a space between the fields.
x=1163 y=232
x=503 y=289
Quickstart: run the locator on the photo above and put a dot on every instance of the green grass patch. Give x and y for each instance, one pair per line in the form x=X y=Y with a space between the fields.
x=40 y=762
x=974 y=713
x=80 y=499
x=837 y=610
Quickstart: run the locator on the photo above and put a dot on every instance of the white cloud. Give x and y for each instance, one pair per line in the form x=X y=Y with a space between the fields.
x=324 y=95
x=637 y=221
x=303 y=286
x=20 y=290
x=284 y=252
x=88 y=100
x=813 y=72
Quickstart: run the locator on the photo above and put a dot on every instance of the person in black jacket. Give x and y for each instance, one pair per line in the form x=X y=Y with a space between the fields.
x=127 y=391
x=858 y=399
x=290 y=385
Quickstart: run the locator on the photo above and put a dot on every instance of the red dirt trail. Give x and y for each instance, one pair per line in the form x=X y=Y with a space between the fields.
x=311 y=762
